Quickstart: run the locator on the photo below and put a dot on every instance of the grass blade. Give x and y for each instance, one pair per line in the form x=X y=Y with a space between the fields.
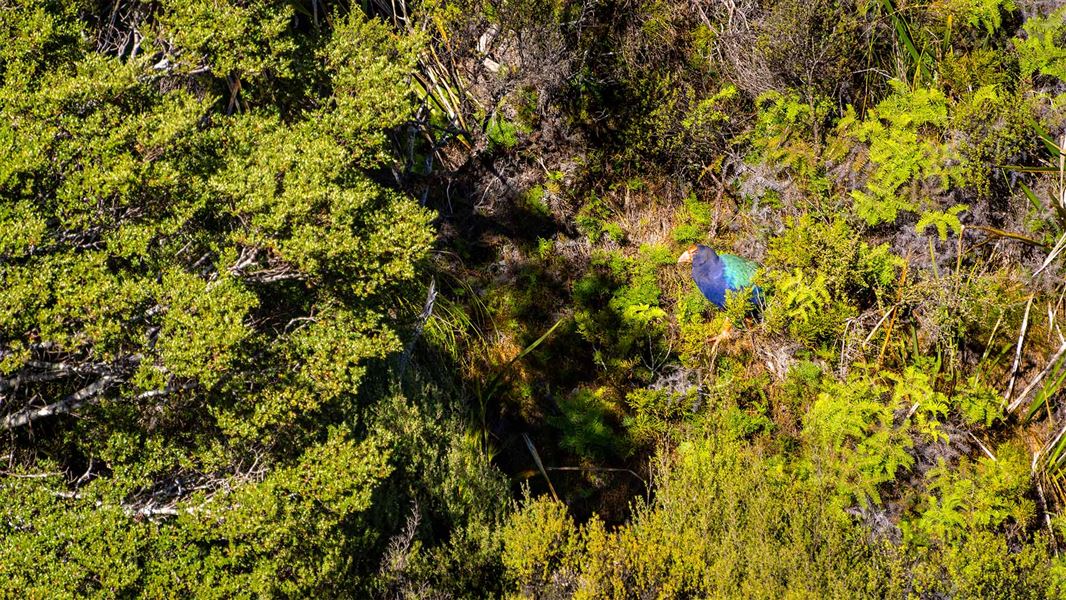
x=1042 y=133
x=540 y=465
x=904 y=34
x=1021 y=169
x=498 y=378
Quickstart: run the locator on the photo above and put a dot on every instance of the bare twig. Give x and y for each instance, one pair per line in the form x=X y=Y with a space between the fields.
x=1036 y=380
x=1018 y=352
x=1055 y=251
x=984 y=449
x=599 y=469
x=427 y=311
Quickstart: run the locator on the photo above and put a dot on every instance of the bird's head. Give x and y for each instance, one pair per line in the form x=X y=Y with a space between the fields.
x=690 y=255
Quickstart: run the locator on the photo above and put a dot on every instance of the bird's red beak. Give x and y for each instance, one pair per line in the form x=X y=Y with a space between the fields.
x=686 y=257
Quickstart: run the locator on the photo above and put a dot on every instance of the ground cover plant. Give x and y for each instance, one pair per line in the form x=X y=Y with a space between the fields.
x=309 y=298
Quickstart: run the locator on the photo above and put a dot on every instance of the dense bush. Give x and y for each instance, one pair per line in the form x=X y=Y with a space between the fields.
x=313 y=298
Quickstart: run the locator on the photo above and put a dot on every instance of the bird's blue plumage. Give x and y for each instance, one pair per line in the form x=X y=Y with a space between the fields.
x=715 y=274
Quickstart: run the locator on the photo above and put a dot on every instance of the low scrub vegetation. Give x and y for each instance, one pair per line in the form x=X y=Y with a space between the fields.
x=318 y=298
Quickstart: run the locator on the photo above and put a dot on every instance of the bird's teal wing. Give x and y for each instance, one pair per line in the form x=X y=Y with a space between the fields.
x=738 y=271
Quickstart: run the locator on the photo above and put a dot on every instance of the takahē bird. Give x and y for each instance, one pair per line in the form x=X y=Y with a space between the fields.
x=716 y=273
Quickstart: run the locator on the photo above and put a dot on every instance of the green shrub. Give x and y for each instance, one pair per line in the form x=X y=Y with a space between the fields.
x=714 y=529
x=538 y=540
x=908 y=161
x=618 y=304
x=1043 y=50
x=692 y=221
x=586 y=425
x=502 y=134
x=963 y=530
x=654 y=413
x=818 y=274
x=801 y=306
x=830 y=248
x=785 y=138
x=854 y=441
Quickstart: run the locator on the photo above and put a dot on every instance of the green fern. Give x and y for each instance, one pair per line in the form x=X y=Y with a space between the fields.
x=914 y=388
x=942 y=220
x=971 y=497
x=855 y=441
x=904 y=151
x=987 y=14
x=783 y=137
x=803 y=307
x=799 y=299
x=1043 y=50
x=979 y=402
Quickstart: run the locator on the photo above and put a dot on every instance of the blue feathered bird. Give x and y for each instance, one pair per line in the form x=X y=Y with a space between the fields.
x=715 y=273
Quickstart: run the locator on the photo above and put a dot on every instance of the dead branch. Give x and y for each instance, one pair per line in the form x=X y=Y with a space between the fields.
x=64 y=406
